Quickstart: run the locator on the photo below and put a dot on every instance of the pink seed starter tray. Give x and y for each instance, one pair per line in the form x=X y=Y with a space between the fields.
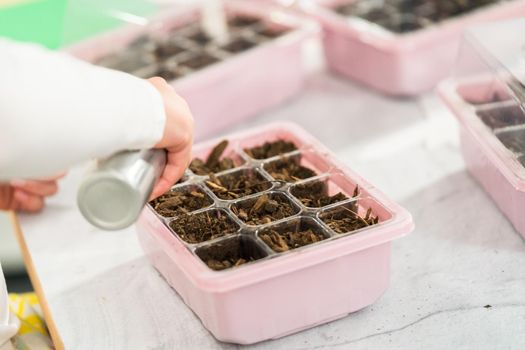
x=260 y=66
x=395 y=47
x=275 y=292
x=487 y=96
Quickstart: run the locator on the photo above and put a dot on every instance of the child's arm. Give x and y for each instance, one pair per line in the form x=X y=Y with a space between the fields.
x=56 y=111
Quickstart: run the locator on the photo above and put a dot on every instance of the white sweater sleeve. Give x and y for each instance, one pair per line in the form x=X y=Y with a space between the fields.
x=56 y=111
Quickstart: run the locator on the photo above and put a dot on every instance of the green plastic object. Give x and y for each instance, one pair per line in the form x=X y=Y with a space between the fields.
x=39 y=21
x=58 y=23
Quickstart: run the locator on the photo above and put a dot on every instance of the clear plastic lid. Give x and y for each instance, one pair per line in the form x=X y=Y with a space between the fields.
x=487 y=93
x=493 y=59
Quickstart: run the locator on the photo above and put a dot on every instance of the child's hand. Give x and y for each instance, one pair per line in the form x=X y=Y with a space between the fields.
x=177 y=138
x=27 y=195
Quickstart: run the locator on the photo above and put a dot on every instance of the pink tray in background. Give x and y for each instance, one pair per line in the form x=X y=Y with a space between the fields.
x=494 y=166
x=281 y=293
x=238 y=87
x=398 y=64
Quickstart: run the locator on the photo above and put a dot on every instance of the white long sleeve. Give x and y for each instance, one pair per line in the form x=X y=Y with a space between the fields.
x=56 y=111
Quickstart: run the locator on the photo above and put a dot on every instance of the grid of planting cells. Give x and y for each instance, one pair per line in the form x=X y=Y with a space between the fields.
x=236 y=206
x=503 y=117
x=187 y=48
x=403 y=16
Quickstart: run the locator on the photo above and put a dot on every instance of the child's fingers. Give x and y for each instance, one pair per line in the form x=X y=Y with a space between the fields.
x=28 y=202
x=177 y=163
x=7 y=201
x=40 y=188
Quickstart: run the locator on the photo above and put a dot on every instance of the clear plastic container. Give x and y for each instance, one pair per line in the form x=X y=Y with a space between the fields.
x=400 y=47
x=487 y=95
x=259 y=67
x=282 y=290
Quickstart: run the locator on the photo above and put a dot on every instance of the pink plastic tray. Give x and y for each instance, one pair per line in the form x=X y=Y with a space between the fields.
x=239 y=86
x=281 y=293
x=497 y=168
x=398 y=64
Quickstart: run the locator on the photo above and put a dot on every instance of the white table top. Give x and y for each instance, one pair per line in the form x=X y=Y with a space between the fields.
x=103 y=294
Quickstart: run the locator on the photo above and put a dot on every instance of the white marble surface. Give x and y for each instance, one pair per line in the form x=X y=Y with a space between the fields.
x=463 y=255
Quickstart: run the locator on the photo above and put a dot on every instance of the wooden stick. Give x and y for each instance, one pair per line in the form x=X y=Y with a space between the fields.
x=35 y=281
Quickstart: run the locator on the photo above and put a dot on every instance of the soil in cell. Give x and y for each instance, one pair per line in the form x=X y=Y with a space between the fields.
x=281 y=241
x=237 y=184
x=271 y=33
x=215 y=162
x=199 y=61
x=501 y=117
x=264 y=209
x=238 y=45
x=230 y=253
x=204 y=226
x=315 y=194
x=179 y=201
x=200 y=37
x=271 y=149
x=243 y=21
x=289 y=170
x=514 y=140
x=345 y=219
